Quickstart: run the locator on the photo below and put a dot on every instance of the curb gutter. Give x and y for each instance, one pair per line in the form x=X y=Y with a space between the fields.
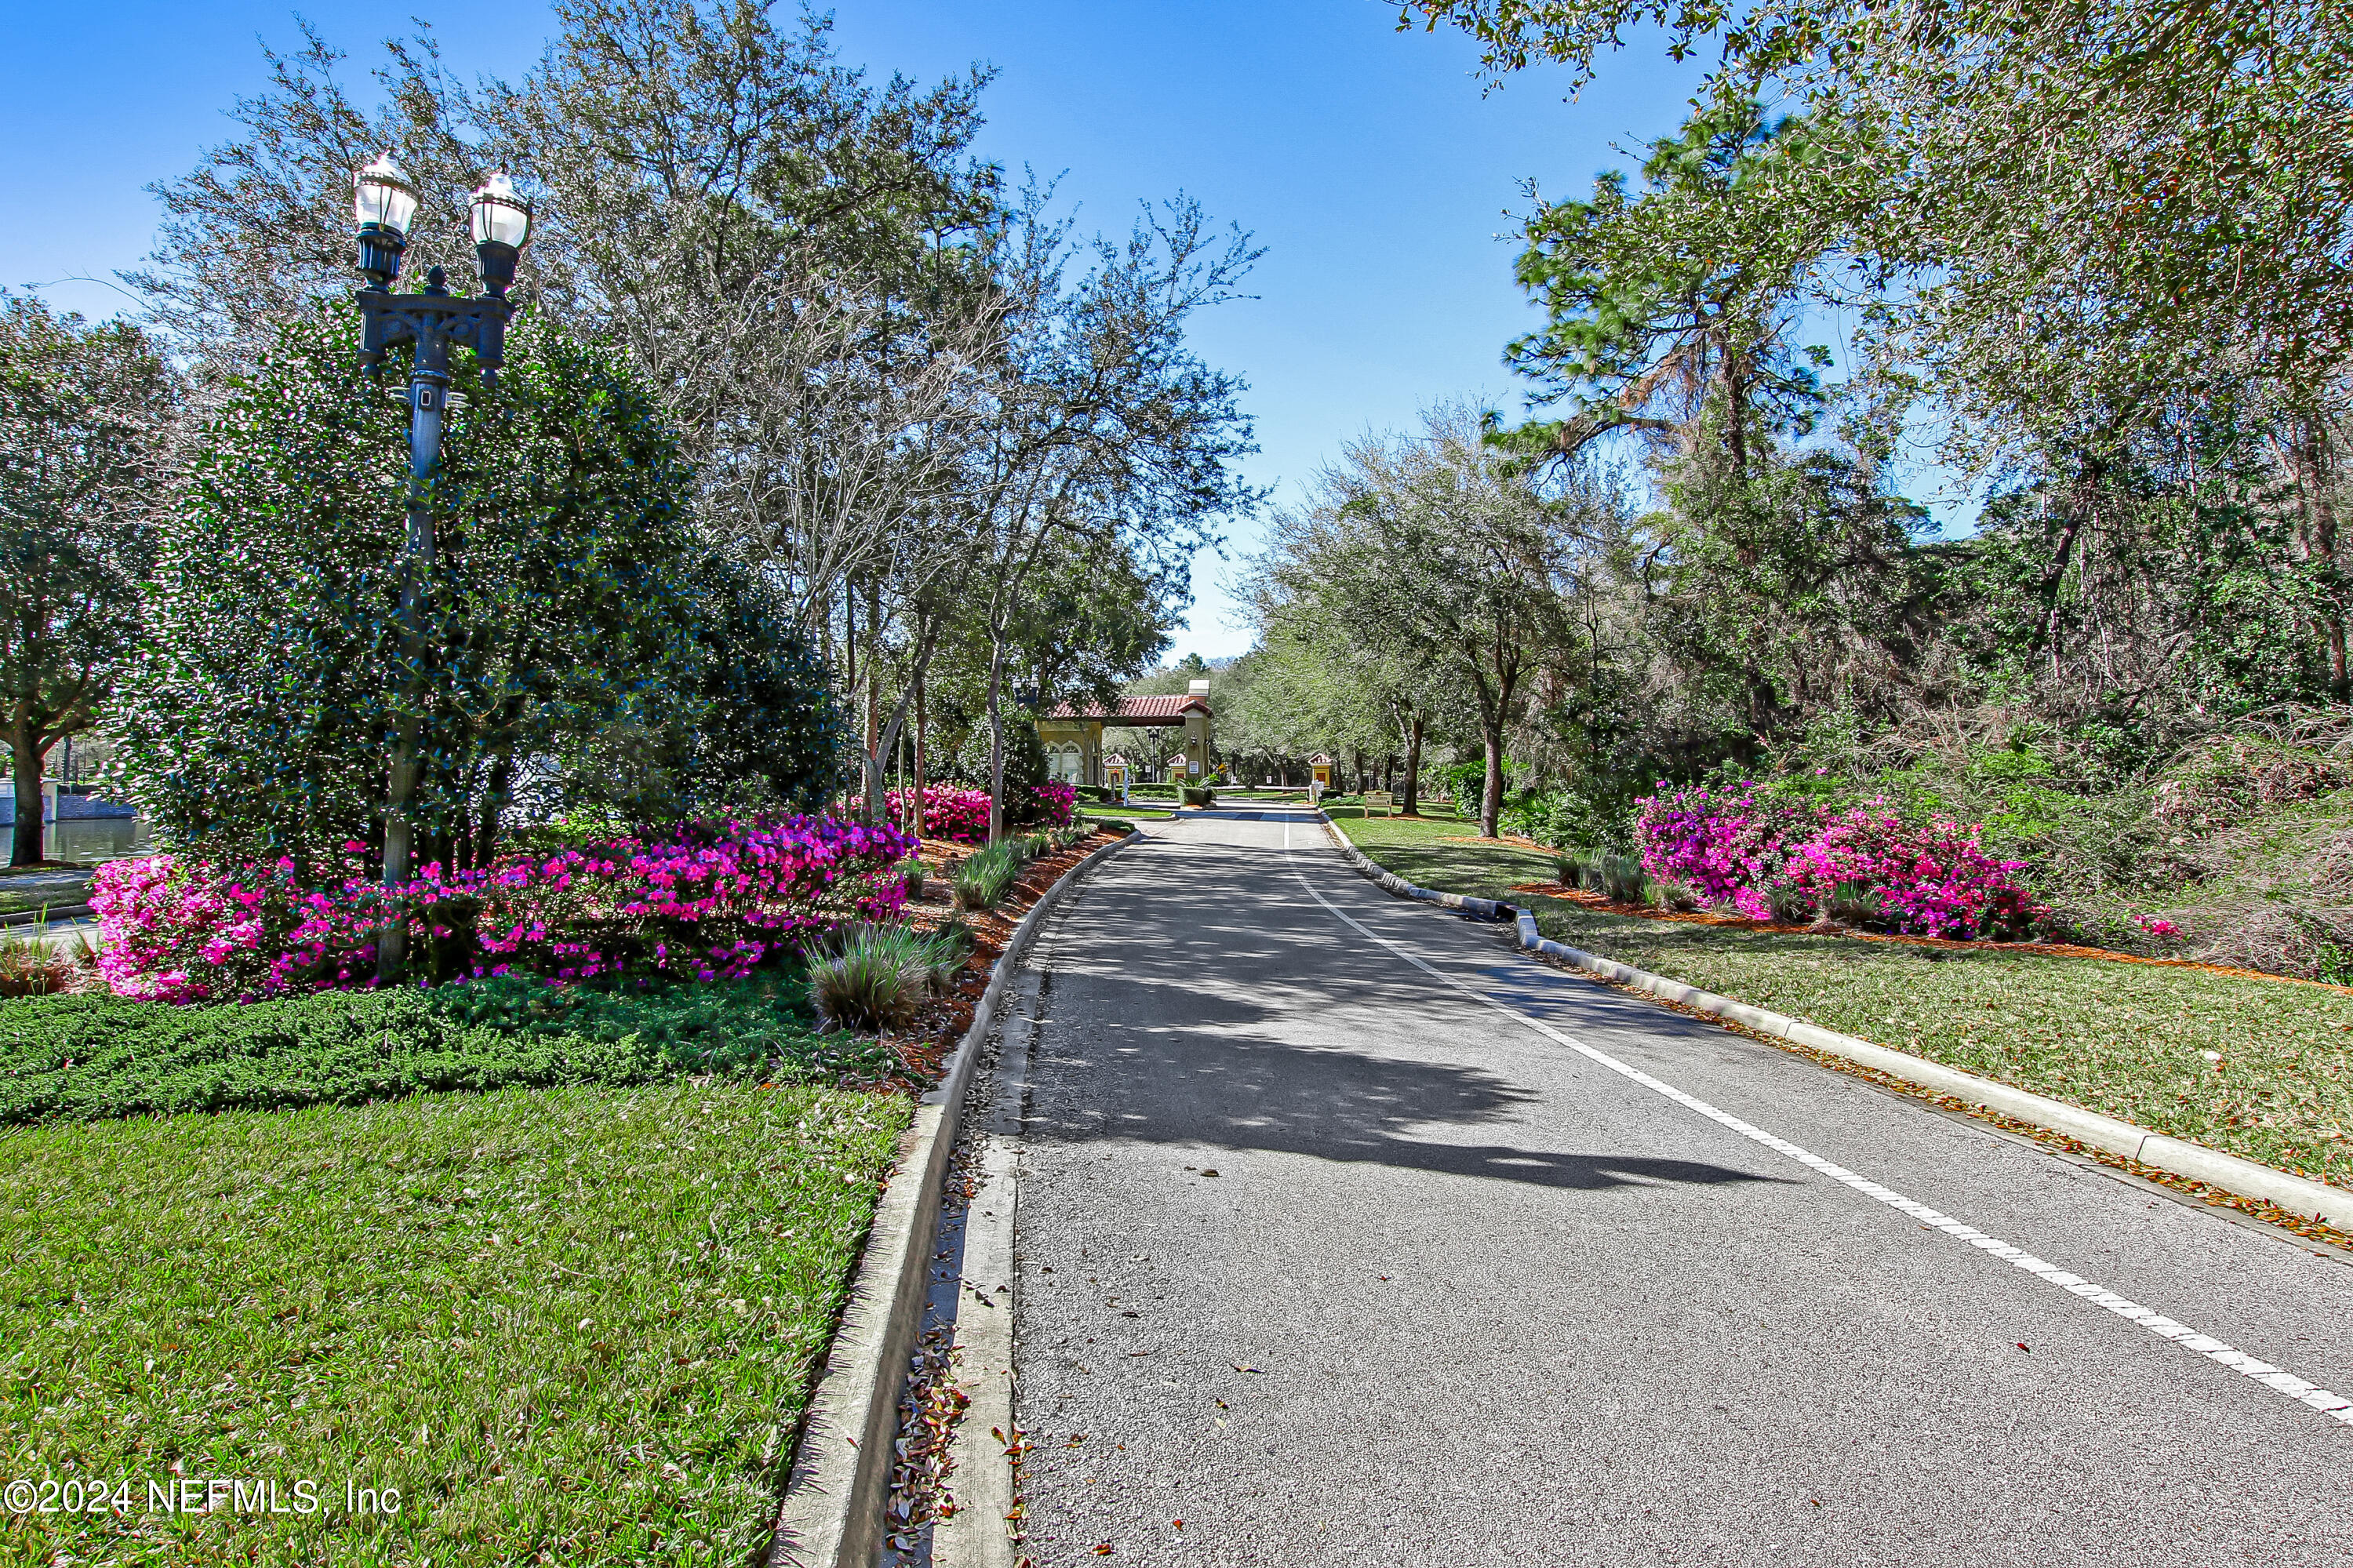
x=832 y=1512
x=2297 y=1194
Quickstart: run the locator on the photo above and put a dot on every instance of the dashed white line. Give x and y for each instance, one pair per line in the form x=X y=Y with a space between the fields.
x=2298 y=1389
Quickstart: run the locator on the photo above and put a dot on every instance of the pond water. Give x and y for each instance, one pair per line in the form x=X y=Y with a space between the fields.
x=87 y=838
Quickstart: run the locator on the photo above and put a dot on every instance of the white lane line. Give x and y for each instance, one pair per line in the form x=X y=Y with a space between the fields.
x=2189 y=1339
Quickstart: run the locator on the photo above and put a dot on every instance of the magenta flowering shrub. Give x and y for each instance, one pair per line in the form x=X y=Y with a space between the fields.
x=1720 y=842
x=1055 y=803
x=960 y=816
x=1736 y=846
x=705 y=900
x=1934 y=878
x=951 y=812
x=177 y=930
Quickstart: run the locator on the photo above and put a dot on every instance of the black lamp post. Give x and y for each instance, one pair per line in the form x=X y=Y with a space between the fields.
x=383 y=202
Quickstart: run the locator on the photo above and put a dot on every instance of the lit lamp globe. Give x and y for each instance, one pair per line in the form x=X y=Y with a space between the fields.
x=501 y=228
x=383 y=200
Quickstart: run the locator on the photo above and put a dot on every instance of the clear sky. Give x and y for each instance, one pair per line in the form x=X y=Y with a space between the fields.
x=1374 y=166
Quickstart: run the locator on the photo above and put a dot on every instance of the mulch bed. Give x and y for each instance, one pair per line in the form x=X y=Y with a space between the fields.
x=1602 y=904
x=925 y=1048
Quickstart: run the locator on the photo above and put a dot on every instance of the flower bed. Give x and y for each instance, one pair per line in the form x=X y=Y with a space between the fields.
x=706 y=900
x=961 y=816
x=1769 y=857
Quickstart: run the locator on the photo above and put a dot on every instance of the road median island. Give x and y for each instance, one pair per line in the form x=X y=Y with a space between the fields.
x=556 y=1267
x=2239 y=1083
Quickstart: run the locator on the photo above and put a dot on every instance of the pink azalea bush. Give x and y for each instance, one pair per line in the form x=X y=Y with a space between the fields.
x=950 y=812
x=705 y=900
x=1743 y=847
x=1721 y=842
x=1056 y=802
x=960 y=816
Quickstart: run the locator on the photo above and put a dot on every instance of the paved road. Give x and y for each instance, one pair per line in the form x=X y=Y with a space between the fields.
x=1458 y=1292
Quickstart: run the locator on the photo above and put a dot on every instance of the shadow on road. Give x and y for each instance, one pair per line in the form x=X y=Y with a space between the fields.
x=1239 y=1025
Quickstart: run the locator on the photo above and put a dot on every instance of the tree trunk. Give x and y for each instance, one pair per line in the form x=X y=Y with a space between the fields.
x=494 y=802
x=995 y=738
x=877 y=743
x=923 y=734
x=25 y=759
x=1413 y=767
x=2320 y=520
x=1491 y=799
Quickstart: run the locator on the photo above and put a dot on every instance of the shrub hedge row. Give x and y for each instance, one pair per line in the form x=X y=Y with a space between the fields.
x=78 y=1058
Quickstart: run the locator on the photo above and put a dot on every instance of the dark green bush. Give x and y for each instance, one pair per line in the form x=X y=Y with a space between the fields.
x=1200 y=797
x=81 y=1057
x=1568 y=816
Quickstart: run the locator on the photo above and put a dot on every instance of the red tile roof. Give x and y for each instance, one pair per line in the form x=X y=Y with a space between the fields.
x=1136 y=710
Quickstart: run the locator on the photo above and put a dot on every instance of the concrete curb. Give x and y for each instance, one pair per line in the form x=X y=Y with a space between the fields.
x=47 y=914
x=832 y=1516
x=1477 y=909
x=2297 y=1194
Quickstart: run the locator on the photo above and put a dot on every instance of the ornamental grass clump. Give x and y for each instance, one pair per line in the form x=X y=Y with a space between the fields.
x=31 y=967
x=952 y=944
x=871 y=979
x=1621 y=879
x=986 y=876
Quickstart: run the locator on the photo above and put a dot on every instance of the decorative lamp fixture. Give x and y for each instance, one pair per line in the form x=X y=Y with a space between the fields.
x=501 y=228
x=383 y=200
x=431 y=323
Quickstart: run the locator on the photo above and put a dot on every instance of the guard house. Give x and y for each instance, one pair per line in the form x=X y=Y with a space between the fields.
x=1073 y=736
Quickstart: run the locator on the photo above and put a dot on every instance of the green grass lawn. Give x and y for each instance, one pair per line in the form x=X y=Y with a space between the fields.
x=572 y=1325
x=1140 y=810
x=2124 y=1039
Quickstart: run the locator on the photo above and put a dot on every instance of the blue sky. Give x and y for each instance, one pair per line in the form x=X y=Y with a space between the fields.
x=1374 y=166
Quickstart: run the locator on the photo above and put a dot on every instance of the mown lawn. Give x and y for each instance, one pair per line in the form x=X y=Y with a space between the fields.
x=569 y=1325
x=1140 y=810
x=2129 y=1040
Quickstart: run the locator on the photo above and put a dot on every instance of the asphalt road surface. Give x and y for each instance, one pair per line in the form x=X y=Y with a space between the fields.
x=1347 y=1235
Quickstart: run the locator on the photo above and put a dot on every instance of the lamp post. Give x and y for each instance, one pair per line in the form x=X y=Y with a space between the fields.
x=383 y=202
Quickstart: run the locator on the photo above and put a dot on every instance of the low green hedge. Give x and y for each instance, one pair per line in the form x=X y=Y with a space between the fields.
x=78 y=1058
